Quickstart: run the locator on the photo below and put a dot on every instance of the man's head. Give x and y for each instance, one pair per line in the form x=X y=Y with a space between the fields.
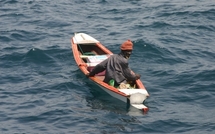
x=127 y=48
x=127 y=45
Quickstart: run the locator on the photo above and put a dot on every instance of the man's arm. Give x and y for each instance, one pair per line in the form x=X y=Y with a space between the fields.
x=98 y=68
x=129 y=74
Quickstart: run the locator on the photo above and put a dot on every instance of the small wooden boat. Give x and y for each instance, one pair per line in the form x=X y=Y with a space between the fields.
x=88 y=52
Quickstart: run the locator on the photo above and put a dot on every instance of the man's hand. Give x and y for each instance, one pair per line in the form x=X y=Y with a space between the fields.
x=137 y=76
x=89 y=74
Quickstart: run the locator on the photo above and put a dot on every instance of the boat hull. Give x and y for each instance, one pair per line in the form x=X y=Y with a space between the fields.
x=88 y=52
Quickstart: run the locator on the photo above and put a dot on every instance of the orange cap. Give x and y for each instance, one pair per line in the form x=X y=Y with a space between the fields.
x=127 y=45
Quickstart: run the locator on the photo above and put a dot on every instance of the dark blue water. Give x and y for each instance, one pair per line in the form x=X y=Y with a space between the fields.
x=42 y=90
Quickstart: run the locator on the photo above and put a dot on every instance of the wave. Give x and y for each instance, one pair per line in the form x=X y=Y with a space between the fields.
x=156 y=54
x=37 y=56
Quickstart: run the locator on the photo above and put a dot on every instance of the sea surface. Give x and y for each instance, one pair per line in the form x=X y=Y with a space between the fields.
x=42 y=90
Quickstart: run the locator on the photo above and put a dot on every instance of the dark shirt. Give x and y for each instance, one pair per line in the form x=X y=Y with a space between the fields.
x=116 y=68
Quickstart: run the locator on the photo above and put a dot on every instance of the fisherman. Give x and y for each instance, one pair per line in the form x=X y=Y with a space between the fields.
x=116 y=66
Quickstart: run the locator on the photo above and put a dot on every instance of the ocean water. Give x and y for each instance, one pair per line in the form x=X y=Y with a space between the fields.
x=42 y=90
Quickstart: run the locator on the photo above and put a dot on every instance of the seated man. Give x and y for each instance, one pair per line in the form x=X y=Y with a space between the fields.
x=116 y=66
